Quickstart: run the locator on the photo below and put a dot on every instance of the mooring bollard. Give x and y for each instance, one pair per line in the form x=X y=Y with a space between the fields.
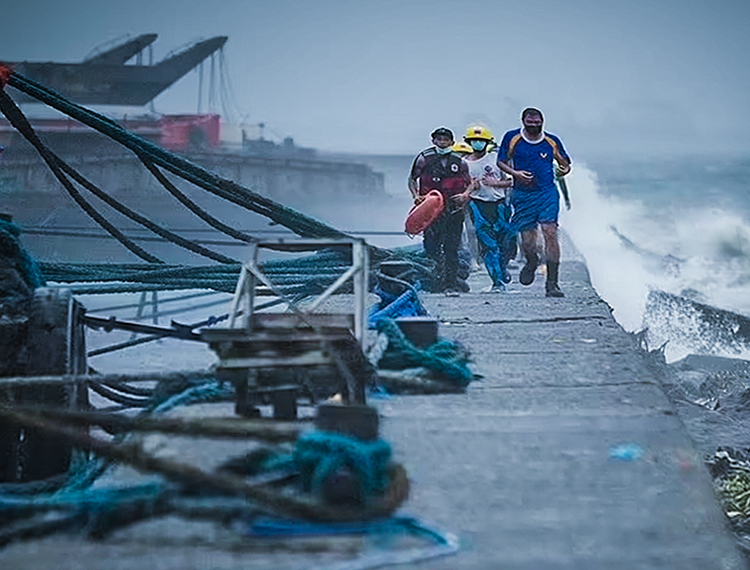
x=361 y=422
x=421 y=331
x=54 y=344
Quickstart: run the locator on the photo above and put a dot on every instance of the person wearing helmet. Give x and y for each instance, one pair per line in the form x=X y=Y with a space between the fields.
x=487 y=207
x=439 y=168
x=463 y=149
x=534 y=158
x=468 y=252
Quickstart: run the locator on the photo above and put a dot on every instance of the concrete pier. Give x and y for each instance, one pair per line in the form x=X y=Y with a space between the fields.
x=527 y=468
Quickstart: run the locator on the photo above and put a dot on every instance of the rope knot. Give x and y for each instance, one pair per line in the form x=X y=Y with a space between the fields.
x=319 y=455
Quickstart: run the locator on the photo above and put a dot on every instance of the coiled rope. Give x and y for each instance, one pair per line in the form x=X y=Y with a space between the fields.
x=448 y=359
x=318 y=455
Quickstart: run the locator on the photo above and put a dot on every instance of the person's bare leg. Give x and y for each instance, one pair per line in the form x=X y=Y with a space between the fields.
x=531 y=253
x=551 y=243
x=552 y=258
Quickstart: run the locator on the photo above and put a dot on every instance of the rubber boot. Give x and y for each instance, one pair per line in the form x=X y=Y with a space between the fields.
x=526 y=277
x=553 y=289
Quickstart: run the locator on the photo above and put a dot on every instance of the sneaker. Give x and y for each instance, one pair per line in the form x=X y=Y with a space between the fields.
x=506 y=277
x=526 y=277
x=553 y=290
x=452 y=292
x=499 y=288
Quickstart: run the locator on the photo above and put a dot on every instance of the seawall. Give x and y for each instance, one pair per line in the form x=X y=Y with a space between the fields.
x=528 y=466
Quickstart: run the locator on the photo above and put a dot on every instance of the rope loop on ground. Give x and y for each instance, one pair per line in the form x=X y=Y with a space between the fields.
x=319 y=455
x=448 y=359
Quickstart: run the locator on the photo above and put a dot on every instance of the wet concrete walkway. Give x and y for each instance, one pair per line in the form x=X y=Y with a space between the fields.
x=520 y=467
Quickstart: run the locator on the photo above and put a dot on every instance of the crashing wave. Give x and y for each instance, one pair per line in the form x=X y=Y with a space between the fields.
x=698 y=327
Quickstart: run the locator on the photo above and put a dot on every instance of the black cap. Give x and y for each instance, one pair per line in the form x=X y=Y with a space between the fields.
x=442 y=131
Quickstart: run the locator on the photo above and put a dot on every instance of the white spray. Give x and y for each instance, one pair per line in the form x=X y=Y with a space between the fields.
x=695 y=251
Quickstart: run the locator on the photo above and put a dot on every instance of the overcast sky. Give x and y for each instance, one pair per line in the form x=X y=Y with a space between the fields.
x=378 y=76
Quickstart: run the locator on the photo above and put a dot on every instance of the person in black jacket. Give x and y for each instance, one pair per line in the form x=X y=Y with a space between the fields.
x=439 y=168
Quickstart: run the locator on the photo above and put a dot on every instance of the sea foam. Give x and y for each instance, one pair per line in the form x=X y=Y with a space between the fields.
x=698 y=251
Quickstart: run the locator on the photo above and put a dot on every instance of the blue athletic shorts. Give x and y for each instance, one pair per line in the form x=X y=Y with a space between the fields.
x=532 y=207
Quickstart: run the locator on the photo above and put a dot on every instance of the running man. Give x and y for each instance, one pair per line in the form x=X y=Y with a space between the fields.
x=527 y=154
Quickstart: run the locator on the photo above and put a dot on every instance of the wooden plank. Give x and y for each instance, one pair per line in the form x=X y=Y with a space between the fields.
x=315 y=358
x=283 y=322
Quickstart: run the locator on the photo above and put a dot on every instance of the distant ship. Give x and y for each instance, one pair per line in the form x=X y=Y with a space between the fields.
x=283 y=171
x=105 y=79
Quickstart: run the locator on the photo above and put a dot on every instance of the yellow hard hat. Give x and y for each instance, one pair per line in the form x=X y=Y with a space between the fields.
x=462 y=148
x=478 y=132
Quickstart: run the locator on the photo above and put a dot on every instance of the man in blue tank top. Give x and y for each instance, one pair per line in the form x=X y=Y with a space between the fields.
x=527 y=154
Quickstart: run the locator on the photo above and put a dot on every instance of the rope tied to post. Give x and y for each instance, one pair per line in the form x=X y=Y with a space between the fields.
x=319 y=455
x=448 y=359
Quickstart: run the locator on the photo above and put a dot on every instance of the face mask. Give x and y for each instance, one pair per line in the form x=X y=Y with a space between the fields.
x=478 y=146
x=445 y=150
x=534 y=131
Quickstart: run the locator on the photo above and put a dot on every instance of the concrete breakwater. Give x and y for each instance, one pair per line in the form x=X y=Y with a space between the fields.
x=567 y=454
x=342 y=191
x=291 y=180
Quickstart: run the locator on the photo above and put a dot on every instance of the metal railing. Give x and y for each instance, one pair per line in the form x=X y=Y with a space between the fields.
x=251 y=275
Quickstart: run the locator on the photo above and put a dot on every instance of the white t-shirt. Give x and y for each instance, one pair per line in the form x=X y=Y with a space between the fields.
x=486 y=165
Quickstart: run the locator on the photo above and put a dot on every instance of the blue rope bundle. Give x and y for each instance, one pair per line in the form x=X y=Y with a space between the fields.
x=448 y=359
x=318 y=455
x=392 y=307
x=11 y=248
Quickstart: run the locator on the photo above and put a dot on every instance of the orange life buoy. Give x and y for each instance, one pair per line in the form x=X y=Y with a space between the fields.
x=422 y=215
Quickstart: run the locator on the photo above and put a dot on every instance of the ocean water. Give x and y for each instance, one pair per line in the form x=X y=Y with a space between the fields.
x=674 y=229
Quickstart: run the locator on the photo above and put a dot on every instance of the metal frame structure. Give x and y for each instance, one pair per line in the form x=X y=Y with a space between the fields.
x=243 y=309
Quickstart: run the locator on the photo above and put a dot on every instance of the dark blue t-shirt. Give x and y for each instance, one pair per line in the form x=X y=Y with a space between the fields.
x=533 y=157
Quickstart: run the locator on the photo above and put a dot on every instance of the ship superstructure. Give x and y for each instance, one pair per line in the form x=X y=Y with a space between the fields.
x=283 y=171
x=106 y=79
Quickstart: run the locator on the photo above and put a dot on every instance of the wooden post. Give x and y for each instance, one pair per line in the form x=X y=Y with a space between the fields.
x=54 y=346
